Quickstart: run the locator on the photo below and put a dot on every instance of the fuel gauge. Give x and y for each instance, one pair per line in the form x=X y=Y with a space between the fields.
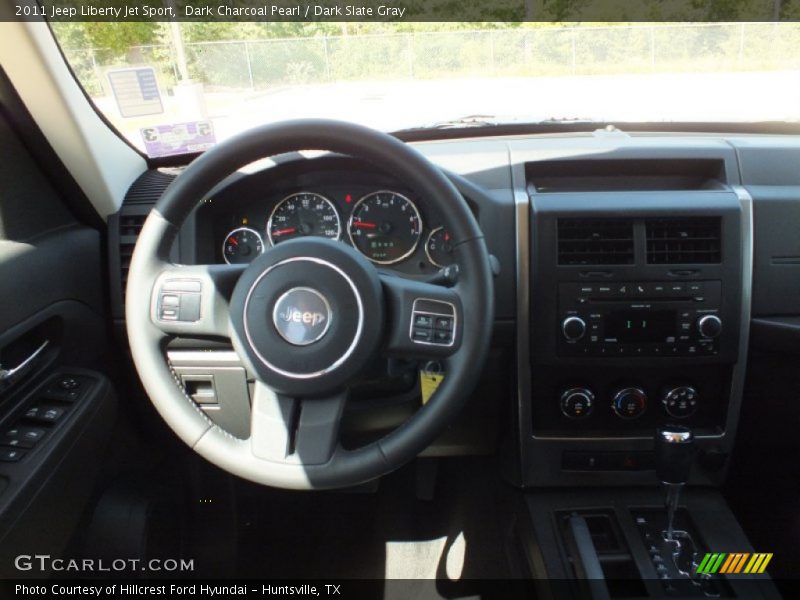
x=439 y=247
x=241 y=246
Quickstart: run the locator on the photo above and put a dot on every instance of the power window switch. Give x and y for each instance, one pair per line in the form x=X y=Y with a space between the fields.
x=22 y=437
x=44 y=413
x=11 y=454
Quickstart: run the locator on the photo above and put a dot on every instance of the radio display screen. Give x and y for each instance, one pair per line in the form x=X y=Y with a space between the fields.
x=640 y=326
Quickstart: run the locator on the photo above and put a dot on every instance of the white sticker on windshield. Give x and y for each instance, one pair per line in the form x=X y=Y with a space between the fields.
x=180 y=138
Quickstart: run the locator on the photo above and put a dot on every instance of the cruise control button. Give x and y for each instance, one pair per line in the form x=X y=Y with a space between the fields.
x=422 y=335
x=445 y=323
x=442 y=337
x=423 y=321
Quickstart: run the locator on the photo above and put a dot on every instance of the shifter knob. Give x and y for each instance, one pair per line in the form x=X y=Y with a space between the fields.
x=674 y=453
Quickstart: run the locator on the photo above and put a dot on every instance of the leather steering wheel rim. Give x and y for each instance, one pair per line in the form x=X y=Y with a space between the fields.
x=150 y=265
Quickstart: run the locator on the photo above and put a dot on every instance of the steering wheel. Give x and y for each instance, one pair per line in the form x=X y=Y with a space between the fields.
x=306 y=317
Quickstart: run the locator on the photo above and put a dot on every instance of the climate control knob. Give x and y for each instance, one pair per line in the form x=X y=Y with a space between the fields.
x=577 y=403
x=629 y=403
x=709 y=326
x=680 y=402
x=573 y=328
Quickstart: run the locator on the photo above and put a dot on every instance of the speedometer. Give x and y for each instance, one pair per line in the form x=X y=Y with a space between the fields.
x=385 y=227
x=302 y=214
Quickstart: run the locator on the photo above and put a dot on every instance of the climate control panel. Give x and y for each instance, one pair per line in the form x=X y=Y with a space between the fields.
x=628 y=403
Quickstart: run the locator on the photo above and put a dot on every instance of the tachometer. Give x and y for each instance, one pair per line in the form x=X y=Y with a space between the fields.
x=385 y=227
x=242 y=245
x=302 y=214
x=439 y=247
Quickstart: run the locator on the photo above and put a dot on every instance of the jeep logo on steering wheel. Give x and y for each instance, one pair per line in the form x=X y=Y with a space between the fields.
x=302 y=316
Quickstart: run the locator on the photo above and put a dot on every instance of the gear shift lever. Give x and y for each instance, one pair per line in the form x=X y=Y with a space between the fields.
x=674 y=454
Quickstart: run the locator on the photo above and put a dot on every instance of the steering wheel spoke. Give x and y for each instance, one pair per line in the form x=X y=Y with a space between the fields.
x=193 y=300
x=424 y=320
x=295 y=430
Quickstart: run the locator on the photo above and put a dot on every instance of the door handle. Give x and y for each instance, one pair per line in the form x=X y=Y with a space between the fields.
x=9 y=377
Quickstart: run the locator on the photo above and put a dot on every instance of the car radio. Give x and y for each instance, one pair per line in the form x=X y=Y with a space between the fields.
x=640 y=318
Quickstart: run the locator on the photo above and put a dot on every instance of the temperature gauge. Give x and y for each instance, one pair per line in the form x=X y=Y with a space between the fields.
x=439 y=247
x=242 y=246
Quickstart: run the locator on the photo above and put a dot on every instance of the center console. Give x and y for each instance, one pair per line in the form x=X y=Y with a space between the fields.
x=634 y=279
x=635 y=267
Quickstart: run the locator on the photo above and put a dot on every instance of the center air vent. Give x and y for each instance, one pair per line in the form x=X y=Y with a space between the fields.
x=595 y=242
x=682 y=241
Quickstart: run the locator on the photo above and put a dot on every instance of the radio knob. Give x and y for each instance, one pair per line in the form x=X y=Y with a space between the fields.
x=709 y=326
x=629 y=403
x=573 y=328
x=680 y=402
x=577 y=403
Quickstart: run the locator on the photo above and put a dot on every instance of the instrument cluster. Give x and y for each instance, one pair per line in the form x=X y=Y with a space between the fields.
x=385 y=225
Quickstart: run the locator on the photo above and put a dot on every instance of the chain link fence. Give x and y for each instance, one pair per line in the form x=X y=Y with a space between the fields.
x=265 y=64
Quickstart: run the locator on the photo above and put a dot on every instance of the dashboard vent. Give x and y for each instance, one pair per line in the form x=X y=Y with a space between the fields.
x=129 y=228
x=149 y=186
x=682 y=241
x=595 y=242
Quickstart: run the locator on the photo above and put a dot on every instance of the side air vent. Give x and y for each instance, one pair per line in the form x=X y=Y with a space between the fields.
x=149 y=186
x=595 y=242
x=682 y=241
x=129 y=228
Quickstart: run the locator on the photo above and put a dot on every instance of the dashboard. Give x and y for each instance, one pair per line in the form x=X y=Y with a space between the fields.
x=386 y=222
x=631 y=267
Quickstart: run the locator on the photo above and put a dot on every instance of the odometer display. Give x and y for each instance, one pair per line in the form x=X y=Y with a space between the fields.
x=303 y=214
x=385 y=227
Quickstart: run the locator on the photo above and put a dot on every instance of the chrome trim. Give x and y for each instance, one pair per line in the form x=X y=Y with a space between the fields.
x=230 y=233
x=522 y=205
x=427 y=252
x=629 y=390
x=328 y=317
x=203 y=358
x=675 y=436
x=350 y=227
x=564 y=328
x=10 y=376
x=282 y=200
x=454 y=315
x=669 y=393
x=740 y=367
x=586 y=393
x=338 y=362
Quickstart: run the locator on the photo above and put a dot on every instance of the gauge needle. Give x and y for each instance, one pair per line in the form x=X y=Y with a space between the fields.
x=285 y=231
x=234 y=241
x=364 y=225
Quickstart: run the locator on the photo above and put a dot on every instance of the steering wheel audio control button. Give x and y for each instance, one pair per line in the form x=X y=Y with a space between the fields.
x=179 y=300
x=433 y=322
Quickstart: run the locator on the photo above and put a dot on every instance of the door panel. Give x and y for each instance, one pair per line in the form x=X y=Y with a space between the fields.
x=57 y=404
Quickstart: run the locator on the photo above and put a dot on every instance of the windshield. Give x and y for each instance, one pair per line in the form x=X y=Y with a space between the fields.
x=175 y=88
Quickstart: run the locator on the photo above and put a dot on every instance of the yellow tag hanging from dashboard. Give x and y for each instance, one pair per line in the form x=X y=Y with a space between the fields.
x=429 y=382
